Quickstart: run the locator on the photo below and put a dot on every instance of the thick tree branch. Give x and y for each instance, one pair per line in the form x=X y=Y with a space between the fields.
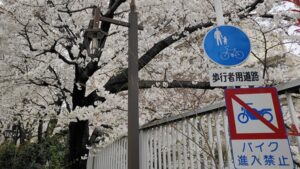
x=146 y=84
x=69 y=49
x=92 y=98
x=253 y=6
x=60 y=56
x=113 y=7
x=121 y=78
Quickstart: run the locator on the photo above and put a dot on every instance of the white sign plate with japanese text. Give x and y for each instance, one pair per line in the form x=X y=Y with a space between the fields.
x=262 y=154
x=235 y=77
x=257 y=130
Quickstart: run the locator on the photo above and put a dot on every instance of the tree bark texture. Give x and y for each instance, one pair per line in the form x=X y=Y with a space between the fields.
x=78 y=139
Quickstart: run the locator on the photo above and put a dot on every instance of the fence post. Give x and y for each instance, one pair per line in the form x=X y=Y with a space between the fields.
x=219 y=140
x=292 y=111
x=228 y=147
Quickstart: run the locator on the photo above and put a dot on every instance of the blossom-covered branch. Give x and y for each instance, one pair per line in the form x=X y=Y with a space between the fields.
x=116 y=82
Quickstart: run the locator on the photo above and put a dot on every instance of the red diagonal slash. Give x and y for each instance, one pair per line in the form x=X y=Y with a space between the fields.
x=256 y=114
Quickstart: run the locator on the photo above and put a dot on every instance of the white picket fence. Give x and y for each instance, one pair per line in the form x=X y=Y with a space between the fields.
x=195 y=140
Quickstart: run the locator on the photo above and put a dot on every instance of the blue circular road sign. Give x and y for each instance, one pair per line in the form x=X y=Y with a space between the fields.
x=227 y=45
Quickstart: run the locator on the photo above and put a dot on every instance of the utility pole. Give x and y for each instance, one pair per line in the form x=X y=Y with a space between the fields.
x=133 y=107
x=133 y=87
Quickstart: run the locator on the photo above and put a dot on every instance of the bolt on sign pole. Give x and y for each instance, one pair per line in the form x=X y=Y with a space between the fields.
x=133 y=112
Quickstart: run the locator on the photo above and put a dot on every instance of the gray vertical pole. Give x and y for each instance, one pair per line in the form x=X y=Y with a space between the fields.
x=219 y=12
x=93 y=167
x=133 y=112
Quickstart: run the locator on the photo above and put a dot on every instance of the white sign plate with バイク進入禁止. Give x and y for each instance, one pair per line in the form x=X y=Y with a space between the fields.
x=235 y=77
x=257 y=130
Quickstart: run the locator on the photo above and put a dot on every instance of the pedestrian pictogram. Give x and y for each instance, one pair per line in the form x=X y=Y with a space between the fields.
x=257 y=130
x=221 y=40
x=227 y=45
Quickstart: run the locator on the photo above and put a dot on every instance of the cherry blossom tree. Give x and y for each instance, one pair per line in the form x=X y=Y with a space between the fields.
x=49 y=57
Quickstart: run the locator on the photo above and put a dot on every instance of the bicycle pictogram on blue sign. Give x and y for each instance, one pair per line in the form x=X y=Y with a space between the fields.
x=231 y=53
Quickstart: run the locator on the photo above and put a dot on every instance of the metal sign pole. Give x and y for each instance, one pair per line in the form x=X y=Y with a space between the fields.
x=133 y=111
x=219 y=12
x=220 y=21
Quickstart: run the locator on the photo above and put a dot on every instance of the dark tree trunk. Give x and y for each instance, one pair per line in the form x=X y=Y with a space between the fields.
x=40 y=131
x=77 y=143
x=51 y=126
x=78 y=131
x=22 y=133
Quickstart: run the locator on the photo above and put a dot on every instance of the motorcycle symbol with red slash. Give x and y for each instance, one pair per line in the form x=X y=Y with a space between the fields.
x=245 y=115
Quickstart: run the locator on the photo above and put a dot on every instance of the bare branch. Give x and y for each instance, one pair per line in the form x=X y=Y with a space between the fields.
x=77 y=10
x=43 y=29
x=37 y=104
x=26 y=36
x=60 y=56
x=40 y=82
x=259 y=59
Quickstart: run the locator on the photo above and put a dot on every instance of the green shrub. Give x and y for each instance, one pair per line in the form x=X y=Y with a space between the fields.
x=7 y=155
x=50 y=154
